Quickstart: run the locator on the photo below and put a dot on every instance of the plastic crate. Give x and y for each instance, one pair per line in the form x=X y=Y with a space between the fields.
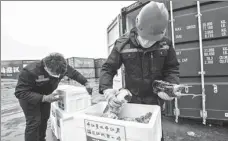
x=85 y=125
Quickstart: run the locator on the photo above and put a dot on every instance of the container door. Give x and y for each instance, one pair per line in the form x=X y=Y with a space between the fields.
x=203 y=59
x=113 y=33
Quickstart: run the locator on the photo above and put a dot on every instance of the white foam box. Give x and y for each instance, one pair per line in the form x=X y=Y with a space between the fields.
x=87 y=125
x=58 y=118
x=75 y=98
x=53 y=120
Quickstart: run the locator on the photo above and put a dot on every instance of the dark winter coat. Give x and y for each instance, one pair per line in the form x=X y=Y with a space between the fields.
x=34 y=82
x=142 y=66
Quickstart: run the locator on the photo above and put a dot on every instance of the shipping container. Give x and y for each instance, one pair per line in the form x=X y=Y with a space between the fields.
x=200 y=39
x=97 y=72
x=77 y=62
x=10 y=68
x=98 y=65
x=26 y=62
x=99 y=62
x=198 y=31
x=83 y=65
x=114 y=31
x=214 y=39
x=87 y=72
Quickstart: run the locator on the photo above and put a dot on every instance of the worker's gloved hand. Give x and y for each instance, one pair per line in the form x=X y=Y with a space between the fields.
x=52 y=97
x=177 y=91
x=165 y=96
x=89 y=88
x=110 y=96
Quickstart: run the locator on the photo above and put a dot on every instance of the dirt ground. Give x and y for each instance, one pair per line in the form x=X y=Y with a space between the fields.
x=13 y=122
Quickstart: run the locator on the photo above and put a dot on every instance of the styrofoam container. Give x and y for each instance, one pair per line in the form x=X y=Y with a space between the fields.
x=58 y=119
x=53 y=120
x=76 y=126
x=75 y=98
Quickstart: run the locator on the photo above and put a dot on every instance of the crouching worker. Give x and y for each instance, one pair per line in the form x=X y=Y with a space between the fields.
x=35 y=87
x=147 y=55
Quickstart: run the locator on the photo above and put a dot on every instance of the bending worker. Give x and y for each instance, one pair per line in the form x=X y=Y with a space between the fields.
x=147 y=55
x=35 y=87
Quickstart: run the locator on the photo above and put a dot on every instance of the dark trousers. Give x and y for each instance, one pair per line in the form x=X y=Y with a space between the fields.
x=36 y=120
x=149 y=101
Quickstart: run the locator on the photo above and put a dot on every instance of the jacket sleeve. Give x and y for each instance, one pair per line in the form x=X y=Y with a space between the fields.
x=109 y=70
x=75 y=75
x=25 y=84
x=171 y=67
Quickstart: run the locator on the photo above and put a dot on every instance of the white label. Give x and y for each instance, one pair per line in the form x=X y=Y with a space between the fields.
x=16 y=69
x=9 y=70
x=97 y=131
x=208 y=30
x=178 y=36
x=178 y=29
x=178 y=52
x=190 y=26
x=226 y=114
x=223 y=28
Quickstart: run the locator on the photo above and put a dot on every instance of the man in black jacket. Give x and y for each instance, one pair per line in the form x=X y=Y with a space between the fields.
x=34 y=90
x=147 y=55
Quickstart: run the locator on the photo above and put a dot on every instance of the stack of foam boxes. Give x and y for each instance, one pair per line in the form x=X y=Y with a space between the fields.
x=74 y=119
x=75 y=99
x=88 y=125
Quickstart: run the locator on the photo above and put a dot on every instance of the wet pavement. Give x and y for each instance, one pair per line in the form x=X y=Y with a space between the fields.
x=13 y=122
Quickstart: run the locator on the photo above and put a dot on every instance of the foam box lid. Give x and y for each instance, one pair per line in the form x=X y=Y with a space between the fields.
x=72 y=90
x=63 y=114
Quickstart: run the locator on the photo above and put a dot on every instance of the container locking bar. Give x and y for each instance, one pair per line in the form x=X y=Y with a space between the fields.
x=204 y=115
x=172 y=20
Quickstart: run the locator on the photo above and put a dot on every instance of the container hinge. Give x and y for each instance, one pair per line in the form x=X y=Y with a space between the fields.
x=215 y=88
x=198 y=15
x=203 y=72
x=203 y=114
x=172 y=20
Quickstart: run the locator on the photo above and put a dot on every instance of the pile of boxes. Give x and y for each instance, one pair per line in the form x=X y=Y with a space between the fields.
x=75 y=99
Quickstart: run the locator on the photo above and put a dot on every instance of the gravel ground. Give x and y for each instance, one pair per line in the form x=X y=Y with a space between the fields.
x=13 y=122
